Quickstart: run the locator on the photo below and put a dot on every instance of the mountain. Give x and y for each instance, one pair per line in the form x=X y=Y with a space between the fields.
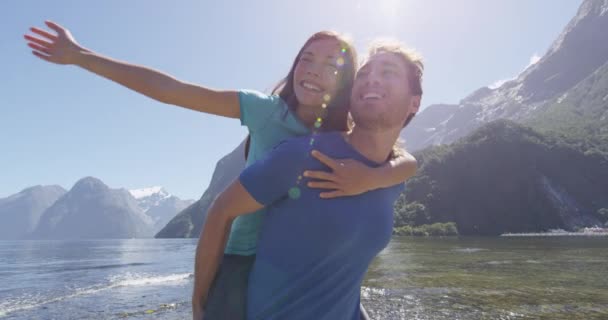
x=505 y=177
x=159 y=205
x=581 y=114
x=578 y=54
x=91 y=210
x=189 y=222
x=21 y=212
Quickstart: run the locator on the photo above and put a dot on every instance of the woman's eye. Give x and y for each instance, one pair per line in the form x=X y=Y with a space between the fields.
x=332 y=67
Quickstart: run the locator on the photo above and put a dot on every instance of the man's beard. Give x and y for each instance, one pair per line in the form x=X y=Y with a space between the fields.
x=377 y=123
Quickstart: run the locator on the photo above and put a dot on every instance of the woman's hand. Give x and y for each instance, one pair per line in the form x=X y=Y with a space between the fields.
x=348 y=177
x=60 y=48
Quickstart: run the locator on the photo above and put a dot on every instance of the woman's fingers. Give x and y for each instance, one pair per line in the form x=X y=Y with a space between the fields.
x=41 y=56
x=38 y=41
x=39 y=48
x=55 y=27
x=43 y=33
x=333 y=164
x=321 y=175
x=332 y=194
x=322 y=185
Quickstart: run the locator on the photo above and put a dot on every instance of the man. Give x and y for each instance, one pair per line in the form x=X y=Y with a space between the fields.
x=313 y=253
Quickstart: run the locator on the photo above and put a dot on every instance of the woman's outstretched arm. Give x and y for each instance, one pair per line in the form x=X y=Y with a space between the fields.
x=62 y=48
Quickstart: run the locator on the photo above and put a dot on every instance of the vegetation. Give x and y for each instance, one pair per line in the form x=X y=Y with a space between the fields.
x=506 y=177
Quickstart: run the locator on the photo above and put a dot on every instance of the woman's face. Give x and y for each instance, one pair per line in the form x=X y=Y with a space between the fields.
x=316 y=73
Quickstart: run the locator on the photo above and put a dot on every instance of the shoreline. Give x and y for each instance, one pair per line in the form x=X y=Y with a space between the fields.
x=556 y=234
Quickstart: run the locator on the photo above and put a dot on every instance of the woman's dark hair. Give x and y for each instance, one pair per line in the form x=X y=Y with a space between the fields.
x=336 y=118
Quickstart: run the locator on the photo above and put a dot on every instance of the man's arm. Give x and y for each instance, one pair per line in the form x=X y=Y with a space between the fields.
x=234 y=201
x=259 y=185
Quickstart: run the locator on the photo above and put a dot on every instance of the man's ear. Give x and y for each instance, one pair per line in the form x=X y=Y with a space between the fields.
x=415 y=104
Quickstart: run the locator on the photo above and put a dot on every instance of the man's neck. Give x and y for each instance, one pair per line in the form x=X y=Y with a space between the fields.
x=375 y=145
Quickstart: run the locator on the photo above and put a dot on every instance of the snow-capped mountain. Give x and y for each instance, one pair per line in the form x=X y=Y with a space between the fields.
x=577 y=54
x=159 y=204
x=91 y=210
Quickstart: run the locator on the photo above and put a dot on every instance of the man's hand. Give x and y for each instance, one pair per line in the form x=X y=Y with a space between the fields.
x=60 y=48
x=197 y=310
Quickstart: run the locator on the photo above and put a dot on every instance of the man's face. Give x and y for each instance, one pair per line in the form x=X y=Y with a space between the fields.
x=381 y=97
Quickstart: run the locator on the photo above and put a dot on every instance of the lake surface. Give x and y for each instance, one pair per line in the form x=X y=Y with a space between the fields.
x=413 y=278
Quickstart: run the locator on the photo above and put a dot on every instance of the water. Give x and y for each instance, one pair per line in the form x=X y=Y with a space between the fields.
x=414 y=278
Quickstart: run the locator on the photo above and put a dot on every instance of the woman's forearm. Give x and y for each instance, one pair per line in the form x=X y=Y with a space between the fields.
x=393 y=172
x=160 y=86
x=146 y=81
x=62 y=48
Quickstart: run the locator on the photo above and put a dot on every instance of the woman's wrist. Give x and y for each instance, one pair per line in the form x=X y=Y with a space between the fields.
x=79 y=56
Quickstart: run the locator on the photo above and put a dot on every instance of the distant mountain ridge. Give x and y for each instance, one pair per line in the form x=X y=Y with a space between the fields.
x=579 y=51
x=21 y=212
x=89 y=210
x=189 y=222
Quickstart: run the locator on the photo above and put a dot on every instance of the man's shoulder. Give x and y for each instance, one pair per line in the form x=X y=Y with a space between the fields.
x=310 y=141
x=301 y=146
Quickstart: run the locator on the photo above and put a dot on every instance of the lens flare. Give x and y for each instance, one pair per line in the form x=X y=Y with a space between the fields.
x=340 y=61
x=327 y=97
x=294 y=193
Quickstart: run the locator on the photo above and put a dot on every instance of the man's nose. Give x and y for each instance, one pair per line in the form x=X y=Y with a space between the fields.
x=373 y=77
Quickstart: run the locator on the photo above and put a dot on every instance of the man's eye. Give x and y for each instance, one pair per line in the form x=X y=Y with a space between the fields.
x=389 y=72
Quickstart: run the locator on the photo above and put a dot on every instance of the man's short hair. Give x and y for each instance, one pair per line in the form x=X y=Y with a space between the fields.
x=412 y=60
x=413 y=63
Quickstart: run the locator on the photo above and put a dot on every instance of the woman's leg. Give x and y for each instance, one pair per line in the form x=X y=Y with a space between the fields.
x=227 y=299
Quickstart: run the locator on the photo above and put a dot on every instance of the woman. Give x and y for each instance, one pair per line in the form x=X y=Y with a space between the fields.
x=313 y=96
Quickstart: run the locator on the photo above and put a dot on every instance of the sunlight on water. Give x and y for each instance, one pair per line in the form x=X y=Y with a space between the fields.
x=414 y=278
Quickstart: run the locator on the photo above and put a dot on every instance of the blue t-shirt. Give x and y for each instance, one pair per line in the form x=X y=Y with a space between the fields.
x=312 y=253
x=269 y=121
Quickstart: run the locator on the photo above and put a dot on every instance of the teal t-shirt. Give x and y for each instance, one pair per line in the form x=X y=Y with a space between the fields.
x=269 y=121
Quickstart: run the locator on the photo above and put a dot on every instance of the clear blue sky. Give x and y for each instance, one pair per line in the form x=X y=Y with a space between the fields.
x=59 y=123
